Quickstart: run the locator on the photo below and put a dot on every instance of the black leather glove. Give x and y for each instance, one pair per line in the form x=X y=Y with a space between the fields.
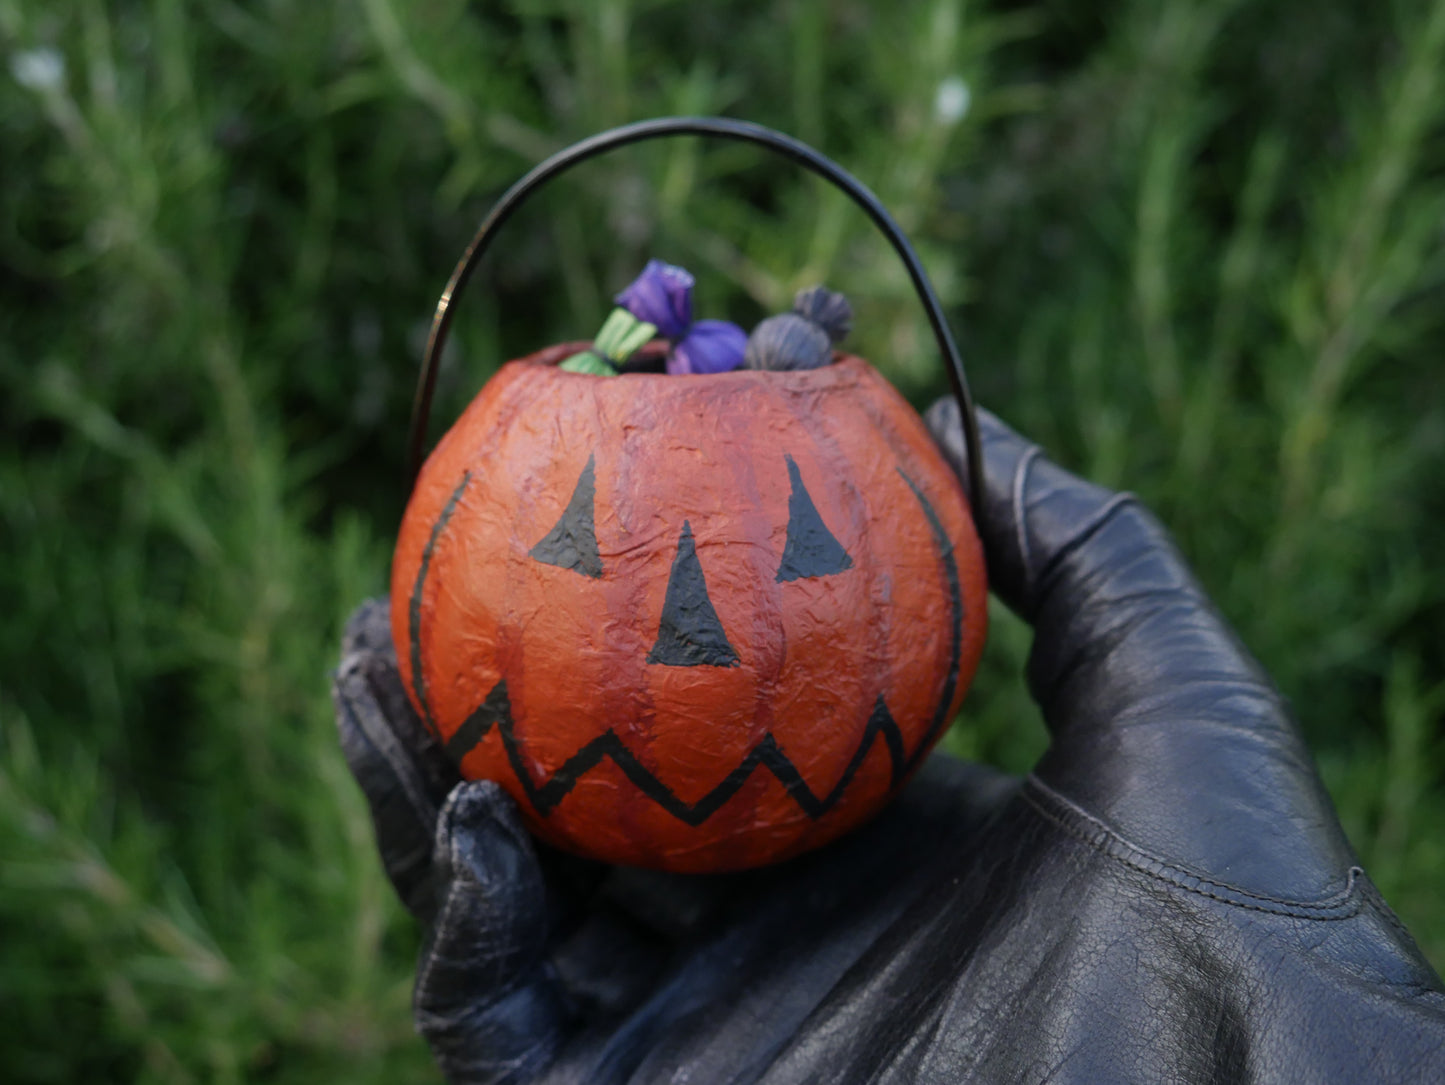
x=1168 y=897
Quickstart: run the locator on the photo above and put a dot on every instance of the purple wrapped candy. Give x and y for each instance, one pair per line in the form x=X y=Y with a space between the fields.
x=662 y=296
x=710 y=346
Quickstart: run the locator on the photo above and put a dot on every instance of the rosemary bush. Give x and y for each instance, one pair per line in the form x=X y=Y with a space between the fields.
x=1195 y=248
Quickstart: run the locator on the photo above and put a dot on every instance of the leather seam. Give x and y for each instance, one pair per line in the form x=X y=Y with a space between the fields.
x=1344 y=903
x=1382 y=908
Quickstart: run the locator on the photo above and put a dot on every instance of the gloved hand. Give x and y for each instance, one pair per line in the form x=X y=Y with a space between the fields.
x=1168 y=897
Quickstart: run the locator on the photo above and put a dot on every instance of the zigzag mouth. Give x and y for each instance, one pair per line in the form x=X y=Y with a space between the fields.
x=496 y=710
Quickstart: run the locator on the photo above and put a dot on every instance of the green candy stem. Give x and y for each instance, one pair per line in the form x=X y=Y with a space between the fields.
x=621 y=337
x=588 y=362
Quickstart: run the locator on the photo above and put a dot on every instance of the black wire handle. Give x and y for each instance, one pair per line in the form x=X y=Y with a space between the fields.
x=722 y=128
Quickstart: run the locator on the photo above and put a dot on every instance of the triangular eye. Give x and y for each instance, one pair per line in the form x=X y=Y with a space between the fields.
x=690 y=634
x=572 y=544
x=811 y=549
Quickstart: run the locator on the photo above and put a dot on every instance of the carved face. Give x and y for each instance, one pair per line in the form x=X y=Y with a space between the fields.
x=698 y=623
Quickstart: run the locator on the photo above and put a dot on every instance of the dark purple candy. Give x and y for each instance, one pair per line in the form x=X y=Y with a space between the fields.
x=804 y=338
x=826 y=308
x=787 y=341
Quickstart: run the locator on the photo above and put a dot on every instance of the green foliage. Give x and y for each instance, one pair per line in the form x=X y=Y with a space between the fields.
x=1194 y=248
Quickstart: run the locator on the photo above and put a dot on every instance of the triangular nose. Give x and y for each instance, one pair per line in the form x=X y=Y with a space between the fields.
x=690 y=634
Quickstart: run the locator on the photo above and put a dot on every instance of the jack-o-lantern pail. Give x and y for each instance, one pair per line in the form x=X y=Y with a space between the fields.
x=699 y=622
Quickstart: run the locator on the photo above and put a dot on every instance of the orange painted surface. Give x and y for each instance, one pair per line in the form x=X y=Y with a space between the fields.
x=813 y=657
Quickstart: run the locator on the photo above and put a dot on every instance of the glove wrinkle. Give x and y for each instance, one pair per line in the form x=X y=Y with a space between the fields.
x=607 y=963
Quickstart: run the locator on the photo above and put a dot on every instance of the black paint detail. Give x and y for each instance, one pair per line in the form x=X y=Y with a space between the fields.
x=955 y=599
x=811 y=549
x=690 y=634
x=882 y=722
x=496 y=711
x=572 y=544
x=418 y=679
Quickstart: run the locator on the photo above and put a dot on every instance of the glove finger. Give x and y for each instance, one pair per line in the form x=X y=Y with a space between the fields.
x=402 y=773
x=1162 y=722
x=485 y=1000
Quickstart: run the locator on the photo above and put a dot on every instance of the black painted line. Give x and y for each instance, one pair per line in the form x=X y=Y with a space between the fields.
x=418 y=680
x=475 y=726
x=548 y=793
x=955 y=598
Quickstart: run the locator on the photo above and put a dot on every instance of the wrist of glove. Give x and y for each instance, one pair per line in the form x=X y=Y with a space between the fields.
x=1168 y=897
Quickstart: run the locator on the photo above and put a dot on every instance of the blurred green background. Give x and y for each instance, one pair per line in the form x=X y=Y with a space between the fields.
x=1195 y=248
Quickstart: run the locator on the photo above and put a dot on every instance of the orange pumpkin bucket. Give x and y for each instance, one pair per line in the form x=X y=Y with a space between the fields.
x=697 y=622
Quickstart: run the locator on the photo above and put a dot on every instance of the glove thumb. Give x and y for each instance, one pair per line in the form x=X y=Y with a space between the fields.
x=485 y=1000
